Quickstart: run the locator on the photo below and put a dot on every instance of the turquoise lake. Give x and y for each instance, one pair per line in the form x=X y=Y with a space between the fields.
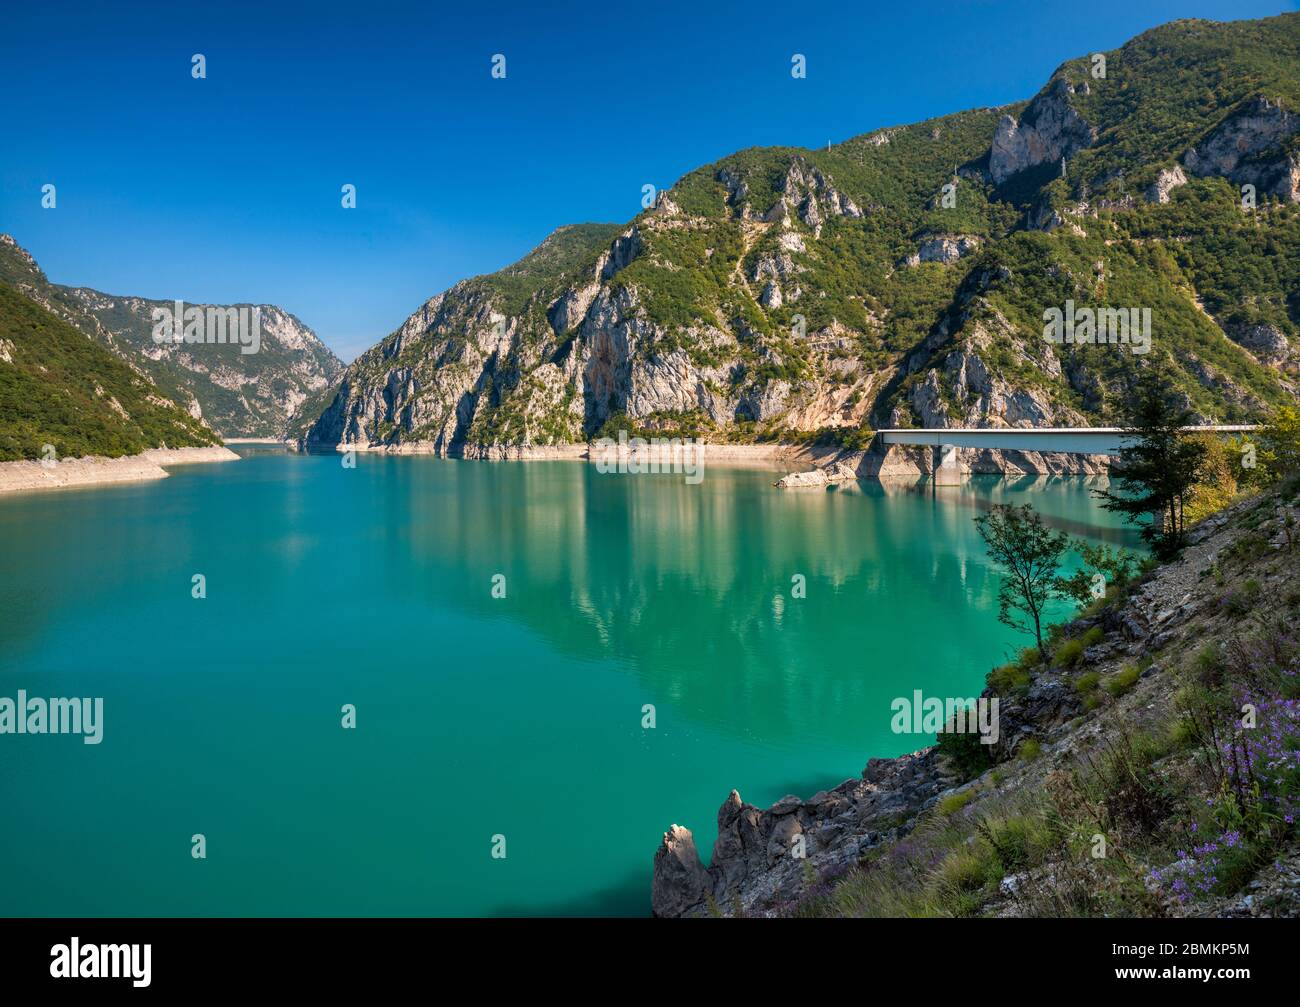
x=476 y=716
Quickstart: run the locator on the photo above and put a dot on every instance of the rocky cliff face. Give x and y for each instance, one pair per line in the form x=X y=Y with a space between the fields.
x=1166 y=182
x=1050 y=130
x=238 y=394
x=426 y=379
x=899 y=278
x=1247 y=147
x=464 y=377
x=945 y=248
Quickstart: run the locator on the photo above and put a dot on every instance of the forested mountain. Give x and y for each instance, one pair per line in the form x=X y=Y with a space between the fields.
x=899 y=278
x=238 y=394
x=61 y=389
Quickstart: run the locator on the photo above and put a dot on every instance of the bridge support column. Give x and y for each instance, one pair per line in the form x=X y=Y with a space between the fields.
x=947 y=471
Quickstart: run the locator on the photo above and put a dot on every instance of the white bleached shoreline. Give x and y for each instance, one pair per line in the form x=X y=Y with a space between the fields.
x=758 y=455
x=70 y=473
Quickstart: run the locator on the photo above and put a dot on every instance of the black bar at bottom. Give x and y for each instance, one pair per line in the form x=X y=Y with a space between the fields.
x=209 y=956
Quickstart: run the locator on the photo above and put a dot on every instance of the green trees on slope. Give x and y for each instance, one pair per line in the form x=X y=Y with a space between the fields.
x=1159 y=466
x=1030 y=554
x=58 y=387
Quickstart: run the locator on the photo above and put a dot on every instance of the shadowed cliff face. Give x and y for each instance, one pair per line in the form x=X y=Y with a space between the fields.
x=1248 y=148
x=1050 y=130
x=898 y=278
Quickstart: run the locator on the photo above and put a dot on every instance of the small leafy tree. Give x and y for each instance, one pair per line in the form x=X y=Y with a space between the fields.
x=1116 y=567
x=1158 y=467
x=1279 y=444
x=968 y=754
x=1030 y=554
x=1216 y=483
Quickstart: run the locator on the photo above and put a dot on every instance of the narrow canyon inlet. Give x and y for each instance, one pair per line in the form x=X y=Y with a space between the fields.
x=541 y=660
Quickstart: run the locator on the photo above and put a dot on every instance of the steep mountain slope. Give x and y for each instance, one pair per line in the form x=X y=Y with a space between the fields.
x=900 y=278
x=480 y=363
x=59 y=388
x=238 y=394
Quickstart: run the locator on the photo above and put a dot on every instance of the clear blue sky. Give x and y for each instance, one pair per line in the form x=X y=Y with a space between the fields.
x=227 y=189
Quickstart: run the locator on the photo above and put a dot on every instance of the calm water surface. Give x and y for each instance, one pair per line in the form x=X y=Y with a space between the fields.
x=476 y=716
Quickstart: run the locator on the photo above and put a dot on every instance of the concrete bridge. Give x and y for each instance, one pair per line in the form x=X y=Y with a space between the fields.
x=1068 y=440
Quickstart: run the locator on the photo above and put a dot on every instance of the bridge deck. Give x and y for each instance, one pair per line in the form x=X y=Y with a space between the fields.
x=1070 y=440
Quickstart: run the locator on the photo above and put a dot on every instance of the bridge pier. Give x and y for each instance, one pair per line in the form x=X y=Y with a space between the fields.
x=947 y=470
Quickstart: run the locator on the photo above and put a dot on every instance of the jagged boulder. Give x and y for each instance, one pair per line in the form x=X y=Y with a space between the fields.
x=679 y=881
x=771 y=297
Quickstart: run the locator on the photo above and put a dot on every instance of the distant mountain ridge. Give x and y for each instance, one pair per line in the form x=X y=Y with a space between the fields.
x=63 y=395
x=236 y=394
x=781 y=291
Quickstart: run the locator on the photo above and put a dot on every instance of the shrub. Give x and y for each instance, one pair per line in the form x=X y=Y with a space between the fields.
x=1068 y=654
x=1087 y=682
x=1132 y=795
x=1237 y=602
x=1029 y=659
x=952 y=803
x=1216 y=484
x=1017 y=841
x=1182 y=733
x=1209 y=665
x=1247 y=549
x=1117 y=568
x=1007 y=679
x=1093 y=637
x=1015 y=676
x=1030 y=750
x=968 y=755
x=963 y=872
x=1279 y=443
x=1120 y=682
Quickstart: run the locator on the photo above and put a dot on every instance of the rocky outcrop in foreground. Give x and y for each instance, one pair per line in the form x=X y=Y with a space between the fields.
x=754 y=859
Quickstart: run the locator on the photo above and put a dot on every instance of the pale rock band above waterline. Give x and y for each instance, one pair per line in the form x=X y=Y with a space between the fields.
x=812 y=466
x=76 y=473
